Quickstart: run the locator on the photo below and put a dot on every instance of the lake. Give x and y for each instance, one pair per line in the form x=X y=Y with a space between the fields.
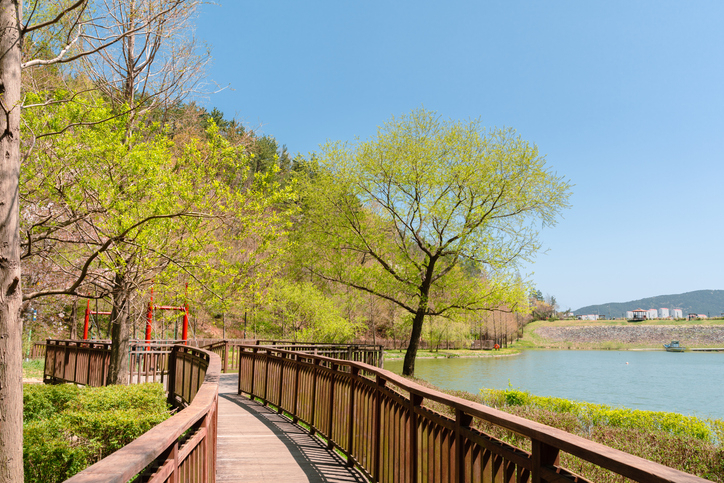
x=690 y=383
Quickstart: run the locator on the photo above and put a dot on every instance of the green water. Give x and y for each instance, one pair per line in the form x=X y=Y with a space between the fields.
x=690 y=383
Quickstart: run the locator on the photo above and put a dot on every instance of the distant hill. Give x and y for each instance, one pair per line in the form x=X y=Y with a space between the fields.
x=709 y=302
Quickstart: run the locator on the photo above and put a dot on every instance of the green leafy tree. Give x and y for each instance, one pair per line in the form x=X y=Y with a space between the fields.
x=405 y=214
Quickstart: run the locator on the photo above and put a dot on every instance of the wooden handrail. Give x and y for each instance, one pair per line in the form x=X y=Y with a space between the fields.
x=370 y=354
x=183 y=444
x=396 y=437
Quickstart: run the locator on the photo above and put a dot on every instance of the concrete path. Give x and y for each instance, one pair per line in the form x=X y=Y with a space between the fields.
x=255 y=444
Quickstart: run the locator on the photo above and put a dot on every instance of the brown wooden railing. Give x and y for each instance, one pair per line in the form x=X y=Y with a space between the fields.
x=385 y=425
x=180 y=449
x=229 y=351
x=86 y=362
x=37 y=351
x=368 y=353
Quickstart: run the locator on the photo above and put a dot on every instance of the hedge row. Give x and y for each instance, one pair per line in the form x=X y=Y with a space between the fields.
x=68 y=428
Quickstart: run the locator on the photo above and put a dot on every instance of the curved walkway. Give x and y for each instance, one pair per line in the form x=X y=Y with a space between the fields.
x=255 y=444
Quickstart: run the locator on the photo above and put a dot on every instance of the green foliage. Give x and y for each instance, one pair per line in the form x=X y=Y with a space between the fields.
x=302 y=312
x=591 y=415
x=431 y=215
x=68 y=428
x=42 y=401
x=33 y=368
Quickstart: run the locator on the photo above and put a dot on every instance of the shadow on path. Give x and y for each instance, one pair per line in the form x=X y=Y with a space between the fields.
x=318 y=463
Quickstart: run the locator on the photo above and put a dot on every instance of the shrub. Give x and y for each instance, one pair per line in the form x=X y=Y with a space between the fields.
x=68 y=428
x=41 y=401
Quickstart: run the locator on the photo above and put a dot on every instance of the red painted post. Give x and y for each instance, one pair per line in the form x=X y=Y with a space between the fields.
x=185 y=333
x=149 y=321
x=87 y=319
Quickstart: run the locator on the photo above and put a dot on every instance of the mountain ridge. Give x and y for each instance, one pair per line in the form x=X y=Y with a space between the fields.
x=709 y=302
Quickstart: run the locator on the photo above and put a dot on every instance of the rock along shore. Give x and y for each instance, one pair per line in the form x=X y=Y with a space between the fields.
x=689 y=336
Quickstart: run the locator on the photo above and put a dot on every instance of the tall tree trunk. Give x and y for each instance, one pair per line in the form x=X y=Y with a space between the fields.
x=408 y=366
x=11 y=350
x=118 y=370
x=73 y=324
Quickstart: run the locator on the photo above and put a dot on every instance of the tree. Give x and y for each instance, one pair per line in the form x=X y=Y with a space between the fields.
x=407 y=214
x=38 y=33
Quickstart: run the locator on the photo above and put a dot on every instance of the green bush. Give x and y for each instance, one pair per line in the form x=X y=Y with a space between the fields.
x=41 y=401
x=68 y=428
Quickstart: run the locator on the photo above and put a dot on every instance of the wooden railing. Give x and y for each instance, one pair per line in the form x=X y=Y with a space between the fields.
x=37 y=351
x=86 y=362
x=180 y=449
x=368 y=353
x=229 y=351
x=385 y=425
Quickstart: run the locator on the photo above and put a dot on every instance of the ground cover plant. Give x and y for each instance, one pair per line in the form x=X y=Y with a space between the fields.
x=67 y=428
x=686 y=443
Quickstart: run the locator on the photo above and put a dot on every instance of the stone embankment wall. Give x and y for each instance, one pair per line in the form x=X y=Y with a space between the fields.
x=689 y=336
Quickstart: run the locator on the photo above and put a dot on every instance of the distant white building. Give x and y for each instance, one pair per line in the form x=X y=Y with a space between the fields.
x=652 y=314
x=664 y=313
x=588 y=317
x=629 y=314
x=677 y=313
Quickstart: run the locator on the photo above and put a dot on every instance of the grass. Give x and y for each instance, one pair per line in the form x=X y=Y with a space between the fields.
x=685 y=443
x=396 y=355
x=33 y=369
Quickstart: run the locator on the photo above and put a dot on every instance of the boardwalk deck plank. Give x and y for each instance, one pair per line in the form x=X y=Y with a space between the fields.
x=255 y=444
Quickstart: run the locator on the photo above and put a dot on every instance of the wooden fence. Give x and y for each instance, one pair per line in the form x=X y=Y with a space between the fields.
x=86 y=362
x=229 y=351
x=387 y=426
x=180 y=449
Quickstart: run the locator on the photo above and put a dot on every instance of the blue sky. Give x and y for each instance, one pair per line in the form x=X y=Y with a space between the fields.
x=625 y=98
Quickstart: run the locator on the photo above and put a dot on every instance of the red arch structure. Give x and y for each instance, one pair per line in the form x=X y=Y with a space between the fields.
x=88 y=313
x=182 y=308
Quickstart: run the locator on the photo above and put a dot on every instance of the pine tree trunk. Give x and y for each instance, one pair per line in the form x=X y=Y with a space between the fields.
x=11 y=374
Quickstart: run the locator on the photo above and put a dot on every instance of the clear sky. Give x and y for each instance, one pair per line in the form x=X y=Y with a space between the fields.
x=625 y=98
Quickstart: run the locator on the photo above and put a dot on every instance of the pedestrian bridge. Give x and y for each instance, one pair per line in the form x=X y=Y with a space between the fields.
x=292 y=415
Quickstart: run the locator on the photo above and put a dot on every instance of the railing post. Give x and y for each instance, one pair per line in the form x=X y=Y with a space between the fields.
x=376 y=424
x=296 y=388
x=330 y=417
x=312 y=422
x=542 y=455
x=462 y=420
x=226 y=357
x=281 y=381
x=172 y=375
x=255 y=353
x=415 y=403
x=266 y=378
x=354 y=374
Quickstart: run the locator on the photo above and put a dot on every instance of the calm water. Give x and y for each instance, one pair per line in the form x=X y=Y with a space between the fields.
x=687 y=383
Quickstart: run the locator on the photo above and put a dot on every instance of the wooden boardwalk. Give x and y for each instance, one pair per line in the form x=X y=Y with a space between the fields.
x=255 y=444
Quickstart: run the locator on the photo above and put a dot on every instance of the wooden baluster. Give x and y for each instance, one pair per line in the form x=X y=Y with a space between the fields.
x=312 y=428
x=330 y=417
x=462 y=420
x=354 y=374
x=376 y=436
x=542 y=455
x=281 y=381
x=413 y=407
x=296 y=388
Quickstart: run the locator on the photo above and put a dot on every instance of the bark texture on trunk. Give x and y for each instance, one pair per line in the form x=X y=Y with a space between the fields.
x=408 y=366
x=120 y=316
x=11 y=373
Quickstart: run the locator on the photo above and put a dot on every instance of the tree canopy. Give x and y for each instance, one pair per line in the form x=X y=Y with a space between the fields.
x=432 y=215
